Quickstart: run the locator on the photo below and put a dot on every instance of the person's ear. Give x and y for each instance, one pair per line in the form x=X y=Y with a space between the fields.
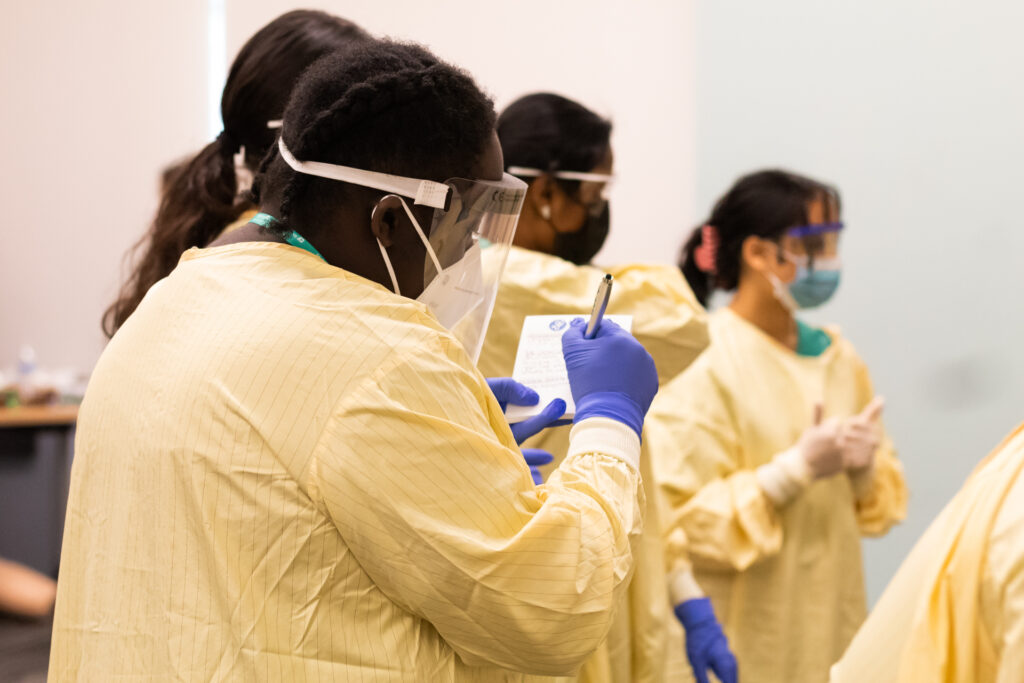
x=759 y=254
x=765 y=256
x=385 y=217
x=539 y=195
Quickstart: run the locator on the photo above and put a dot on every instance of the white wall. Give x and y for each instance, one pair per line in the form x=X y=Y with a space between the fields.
x=916 y=111
x=97 y=97
x=629 y=61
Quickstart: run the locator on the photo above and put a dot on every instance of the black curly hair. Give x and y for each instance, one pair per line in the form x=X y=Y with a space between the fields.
x=765 y=204
x=384 y=106
x=199 y=197
x=553 y=133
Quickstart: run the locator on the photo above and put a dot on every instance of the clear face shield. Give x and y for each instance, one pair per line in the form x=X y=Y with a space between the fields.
x=459 y=286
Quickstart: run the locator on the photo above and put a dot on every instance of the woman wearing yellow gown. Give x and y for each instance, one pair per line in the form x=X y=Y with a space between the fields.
x=563 y=150
x=768 y=451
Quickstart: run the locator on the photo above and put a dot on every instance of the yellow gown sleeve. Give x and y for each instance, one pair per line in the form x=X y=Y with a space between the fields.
x=1001 y=594
x=1011 y=660
x=714 y=512
x=883 y=502
x=425 y=484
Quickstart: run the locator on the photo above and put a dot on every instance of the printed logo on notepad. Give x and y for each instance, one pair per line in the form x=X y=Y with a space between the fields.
x=557 y=325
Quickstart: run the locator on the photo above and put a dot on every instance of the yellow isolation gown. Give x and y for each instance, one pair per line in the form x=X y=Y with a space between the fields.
x=646 y=642
x=786 y=583
x=954 y=612
x=285 y=472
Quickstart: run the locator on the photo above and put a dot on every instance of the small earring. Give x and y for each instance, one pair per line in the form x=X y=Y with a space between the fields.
x=545 y=212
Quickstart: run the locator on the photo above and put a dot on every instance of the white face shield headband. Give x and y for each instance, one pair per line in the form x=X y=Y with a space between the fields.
x=459 y=286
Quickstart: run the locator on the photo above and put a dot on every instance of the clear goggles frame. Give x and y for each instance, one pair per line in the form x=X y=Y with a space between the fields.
x=813 y=243
x=594 y=187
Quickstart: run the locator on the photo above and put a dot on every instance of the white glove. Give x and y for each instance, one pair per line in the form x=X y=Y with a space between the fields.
x=815 y=456
x=859 y=439
x=819 y=446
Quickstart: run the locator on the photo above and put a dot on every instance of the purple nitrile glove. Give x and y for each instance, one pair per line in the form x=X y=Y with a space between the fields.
x=535 y=457
x=508 y=391
x=706 y=644
x=611 y=375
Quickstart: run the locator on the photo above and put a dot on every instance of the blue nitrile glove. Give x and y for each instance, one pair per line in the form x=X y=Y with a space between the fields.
x=611 y=375
x=507 y=391
x=535 y=457
x=706 y=645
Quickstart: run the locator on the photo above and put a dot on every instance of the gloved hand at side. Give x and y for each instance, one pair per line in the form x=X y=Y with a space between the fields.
x=706 y=644
x=611 y=375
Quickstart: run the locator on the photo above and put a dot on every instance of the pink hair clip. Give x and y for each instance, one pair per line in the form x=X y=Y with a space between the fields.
x=706 y=254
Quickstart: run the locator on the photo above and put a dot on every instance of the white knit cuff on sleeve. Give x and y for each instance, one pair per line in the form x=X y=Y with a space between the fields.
x=606 y=436
x=682 y=586
x=785 y=477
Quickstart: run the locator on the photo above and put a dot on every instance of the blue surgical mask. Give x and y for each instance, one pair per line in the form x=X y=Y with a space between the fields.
x=812 y=288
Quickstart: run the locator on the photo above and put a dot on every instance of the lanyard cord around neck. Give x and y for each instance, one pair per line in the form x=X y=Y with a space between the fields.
x=268 y=222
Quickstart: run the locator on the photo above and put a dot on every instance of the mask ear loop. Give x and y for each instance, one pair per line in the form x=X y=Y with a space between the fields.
x=780 y=290
x=423 y=236
x=419 y=231
x=387 y=259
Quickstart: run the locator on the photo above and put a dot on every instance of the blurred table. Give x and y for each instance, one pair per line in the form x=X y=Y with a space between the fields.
x=38 y=416
x=36 y=447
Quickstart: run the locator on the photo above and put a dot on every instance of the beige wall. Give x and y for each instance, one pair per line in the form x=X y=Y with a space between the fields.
x=97 y=96
x=632 y=61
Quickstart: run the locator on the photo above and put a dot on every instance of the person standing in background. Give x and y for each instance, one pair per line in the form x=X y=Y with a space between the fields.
x=203 y=195
x=768 y=451
x=564 y=151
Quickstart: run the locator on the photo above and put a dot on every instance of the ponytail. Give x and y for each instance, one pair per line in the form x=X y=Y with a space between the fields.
x=699 y=280
x=201 y=197
x=198 y=202
x=763 y=204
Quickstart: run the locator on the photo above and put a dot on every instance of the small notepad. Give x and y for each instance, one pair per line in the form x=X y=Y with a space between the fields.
x=540 y=365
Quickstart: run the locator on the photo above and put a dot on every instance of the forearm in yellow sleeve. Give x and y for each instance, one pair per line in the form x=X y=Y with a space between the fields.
x=730 y=522
x=444 y=519
x=880 y=493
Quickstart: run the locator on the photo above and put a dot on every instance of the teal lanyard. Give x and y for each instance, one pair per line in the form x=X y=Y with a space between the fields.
x=265 y=220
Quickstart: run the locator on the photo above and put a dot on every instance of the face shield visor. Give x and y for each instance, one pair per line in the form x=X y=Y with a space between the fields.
x=459 y=286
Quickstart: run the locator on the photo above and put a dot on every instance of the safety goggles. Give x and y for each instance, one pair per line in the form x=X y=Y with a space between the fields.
x=594 y=187
x=814 y=243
